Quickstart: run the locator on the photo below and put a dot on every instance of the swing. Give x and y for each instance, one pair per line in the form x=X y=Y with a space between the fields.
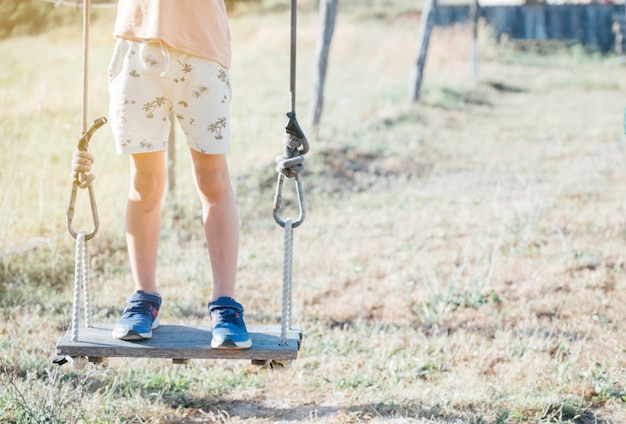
x=271 y=345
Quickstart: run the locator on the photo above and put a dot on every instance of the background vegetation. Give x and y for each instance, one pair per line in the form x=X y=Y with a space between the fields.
x=462 y=261
x=29 y=17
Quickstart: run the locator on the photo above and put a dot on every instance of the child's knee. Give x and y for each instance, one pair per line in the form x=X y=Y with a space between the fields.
x=215 y=186
x=147 y=188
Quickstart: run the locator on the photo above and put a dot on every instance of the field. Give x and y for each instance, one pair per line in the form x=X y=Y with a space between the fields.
x=463 y=258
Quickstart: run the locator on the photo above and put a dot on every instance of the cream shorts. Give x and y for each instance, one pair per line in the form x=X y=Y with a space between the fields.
x=148 y=80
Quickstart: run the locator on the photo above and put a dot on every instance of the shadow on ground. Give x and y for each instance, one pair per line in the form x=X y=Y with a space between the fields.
x=258 y=409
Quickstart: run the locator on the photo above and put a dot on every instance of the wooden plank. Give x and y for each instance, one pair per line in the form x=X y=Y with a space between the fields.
x=179 y=342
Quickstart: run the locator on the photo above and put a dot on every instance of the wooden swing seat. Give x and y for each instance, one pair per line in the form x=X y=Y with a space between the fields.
x=180 y=343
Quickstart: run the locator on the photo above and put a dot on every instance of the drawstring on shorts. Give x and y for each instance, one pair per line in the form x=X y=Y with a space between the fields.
x=164 y=52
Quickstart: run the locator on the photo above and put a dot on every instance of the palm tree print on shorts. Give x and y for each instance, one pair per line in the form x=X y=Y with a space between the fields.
x=150 y=107
x=185 y=68
x=217 y=127
x=223 y=76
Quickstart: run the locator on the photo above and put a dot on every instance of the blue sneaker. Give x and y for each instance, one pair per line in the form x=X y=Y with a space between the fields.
x=140 y=317
x=229 y=329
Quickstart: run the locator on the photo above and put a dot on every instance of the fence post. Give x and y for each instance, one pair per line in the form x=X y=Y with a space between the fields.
x=426 y=25
x=328 y=12
x=474 y=14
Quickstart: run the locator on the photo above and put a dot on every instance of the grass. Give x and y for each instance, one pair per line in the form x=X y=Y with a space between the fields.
x=462 y=260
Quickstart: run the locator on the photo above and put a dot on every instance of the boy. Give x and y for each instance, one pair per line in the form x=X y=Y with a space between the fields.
x=174 y=55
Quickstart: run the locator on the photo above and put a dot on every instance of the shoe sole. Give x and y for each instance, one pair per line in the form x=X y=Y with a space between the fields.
x=134 y=335
x=230 y=344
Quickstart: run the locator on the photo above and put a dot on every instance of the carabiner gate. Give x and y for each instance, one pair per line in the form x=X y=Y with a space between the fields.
x=83 y=144
x=278 y=200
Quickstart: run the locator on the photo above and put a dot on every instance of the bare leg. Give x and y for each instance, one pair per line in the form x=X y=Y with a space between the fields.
x=220 y=218
x=143 y=216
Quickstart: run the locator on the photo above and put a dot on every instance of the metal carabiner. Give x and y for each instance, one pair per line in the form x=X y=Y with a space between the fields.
x=83 y=144
x=278 y=200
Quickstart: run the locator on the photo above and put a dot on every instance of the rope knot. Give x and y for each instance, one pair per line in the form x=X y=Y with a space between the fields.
x=295 y=145
x=81 y=168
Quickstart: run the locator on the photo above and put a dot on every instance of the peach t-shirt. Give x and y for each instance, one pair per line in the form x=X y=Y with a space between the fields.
x=197 y=27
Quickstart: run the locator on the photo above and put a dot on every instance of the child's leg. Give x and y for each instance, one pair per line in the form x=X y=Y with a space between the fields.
x=147 y=182
x=220 y=218
x=143 y=216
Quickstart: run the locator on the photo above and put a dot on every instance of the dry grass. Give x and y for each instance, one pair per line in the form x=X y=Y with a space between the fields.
x=462 y=261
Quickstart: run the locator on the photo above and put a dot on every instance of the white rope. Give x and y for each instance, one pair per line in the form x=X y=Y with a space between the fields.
x=81 y=266
x=90 y=177
x=86 y=283
x=78 y=278
x=81 y=279
x=291 y=165
x=85 y=80
x=285 y=320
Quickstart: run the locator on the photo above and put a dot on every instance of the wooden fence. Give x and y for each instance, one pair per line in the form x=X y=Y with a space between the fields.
x=592 y=25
